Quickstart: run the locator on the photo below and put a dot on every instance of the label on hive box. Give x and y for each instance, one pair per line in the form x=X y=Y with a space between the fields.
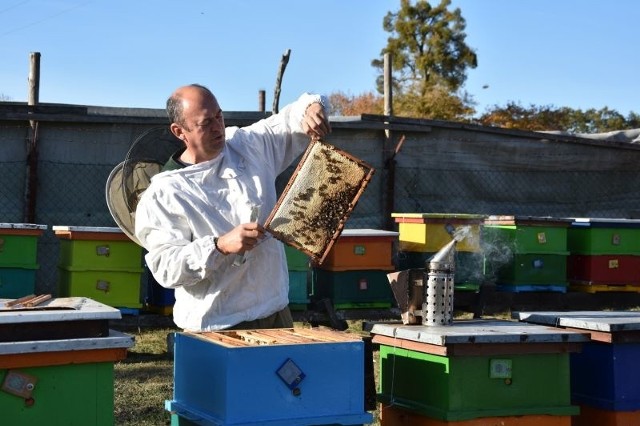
x=19 y=384
x=500 y=369
x=290 y=374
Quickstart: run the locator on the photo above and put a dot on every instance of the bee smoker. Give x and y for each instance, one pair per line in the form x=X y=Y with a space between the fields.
x=438 y=284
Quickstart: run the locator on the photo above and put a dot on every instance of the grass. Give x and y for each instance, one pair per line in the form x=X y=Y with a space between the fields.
x=144 y=380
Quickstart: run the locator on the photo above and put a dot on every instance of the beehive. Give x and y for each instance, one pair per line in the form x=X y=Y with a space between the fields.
x=593 y=236
x=358 y=249
x=526 y=253
x=429 y=232
x=366 y=288
x=278 y=376
x=19 y=258
x=56 y=363
x=101 y=263
x=476 y=369
x=606 y=373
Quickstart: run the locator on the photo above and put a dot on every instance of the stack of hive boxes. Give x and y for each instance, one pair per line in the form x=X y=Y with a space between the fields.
x=605 y=373
x=354 y=272
x=100 y=263
x=18 y=258
x=56 y=362
x=475 y=373
x=524 y=253
x=299 y=277
x=424 y=234
x=604 y=255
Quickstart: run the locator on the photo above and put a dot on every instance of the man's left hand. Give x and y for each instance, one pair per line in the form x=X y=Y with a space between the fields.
x=315 y=122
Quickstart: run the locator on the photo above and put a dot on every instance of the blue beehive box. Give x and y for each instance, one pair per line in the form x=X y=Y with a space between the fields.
x=269 y=377
x=606 y=373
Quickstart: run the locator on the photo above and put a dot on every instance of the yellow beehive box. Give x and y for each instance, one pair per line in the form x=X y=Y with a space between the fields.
x=429 y=232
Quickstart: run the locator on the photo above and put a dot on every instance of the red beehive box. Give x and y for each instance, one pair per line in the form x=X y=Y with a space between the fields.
x=604 y=269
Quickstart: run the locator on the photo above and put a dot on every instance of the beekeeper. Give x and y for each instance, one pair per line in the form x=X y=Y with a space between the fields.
x=196 y=220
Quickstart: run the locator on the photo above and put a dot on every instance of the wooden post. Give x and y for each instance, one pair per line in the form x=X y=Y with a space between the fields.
x=261 y=101
x=283 y=64
x=32 y=140
x=388 y=143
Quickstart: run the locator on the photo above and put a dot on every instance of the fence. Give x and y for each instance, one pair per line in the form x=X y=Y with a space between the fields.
x=441 y=167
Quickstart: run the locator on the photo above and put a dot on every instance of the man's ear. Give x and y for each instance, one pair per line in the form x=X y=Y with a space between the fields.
x=177 y=131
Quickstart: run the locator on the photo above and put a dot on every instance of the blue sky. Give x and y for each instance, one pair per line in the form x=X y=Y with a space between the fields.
x=577 y=53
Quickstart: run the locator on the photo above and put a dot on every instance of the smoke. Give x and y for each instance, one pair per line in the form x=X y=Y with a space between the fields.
x=497 y=252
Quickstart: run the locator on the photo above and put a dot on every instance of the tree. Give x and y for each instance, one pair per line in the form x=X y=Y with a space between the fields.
x=4 y=97
x=367 y=103
x=540 y=118
x=429 y=55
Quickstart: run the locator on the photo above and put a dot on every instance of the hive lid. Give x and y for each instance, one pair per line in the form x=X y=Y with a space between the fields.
x=114 y=339
x=105 y=229
x=368 y=233
x=585 y=222
x=527 y=220
x=437 y=217
x=23 y=226
x=606 y=321
x=56 y=319
x=464 y=332
x=58 y=309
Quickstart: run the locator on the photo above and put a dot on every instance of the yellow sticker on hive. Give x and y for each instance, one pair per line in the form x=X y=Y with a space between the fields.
x=613 y=263
x=542 y=238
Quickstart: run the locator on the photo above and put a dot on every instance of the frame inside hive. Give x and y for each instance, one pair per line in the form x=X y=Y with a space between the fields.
x=318 y=199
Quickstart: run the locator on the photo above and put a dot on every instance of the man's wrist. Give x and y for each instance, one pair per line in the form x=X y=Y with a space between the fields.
x=215 y=244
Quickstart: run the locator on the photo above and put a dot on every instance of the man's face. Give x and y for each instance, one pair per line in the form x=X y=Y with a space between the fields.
x=203 y=128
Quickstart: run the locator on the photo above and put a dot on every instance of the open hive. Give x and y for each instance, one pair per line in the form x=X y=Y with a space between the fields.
x=283 y=336
x=318 y=199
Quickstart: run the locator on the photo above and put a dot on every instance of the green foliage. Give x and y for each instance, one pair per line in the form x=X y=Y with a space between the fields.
x=541 y=118
x=427 y=45
x=436 y=103
x=429 y=59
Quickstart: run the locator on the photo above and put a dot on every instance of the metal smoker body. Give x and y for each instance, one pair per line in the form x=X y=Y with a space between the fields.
x=438 y=286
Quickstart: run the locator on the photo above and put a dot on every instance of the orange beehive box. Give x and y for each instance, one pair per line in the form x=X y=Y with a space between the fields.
x=395 y=416
x=590 y=416
x=358 y=249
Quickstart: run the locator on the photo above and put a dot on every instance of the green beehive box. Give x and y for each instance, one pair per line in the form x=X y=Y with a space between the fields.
x=525 y=235
x=530 y=269
x=353 y=289
x=296 y=260
x=89 y=386
x=17 y=282
x=460 y=388
x=298 y=290
x=59 y=381
x=475 y=369
x=604 y=236
x=119 y=289
x=19 y=244
x=100 y=254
